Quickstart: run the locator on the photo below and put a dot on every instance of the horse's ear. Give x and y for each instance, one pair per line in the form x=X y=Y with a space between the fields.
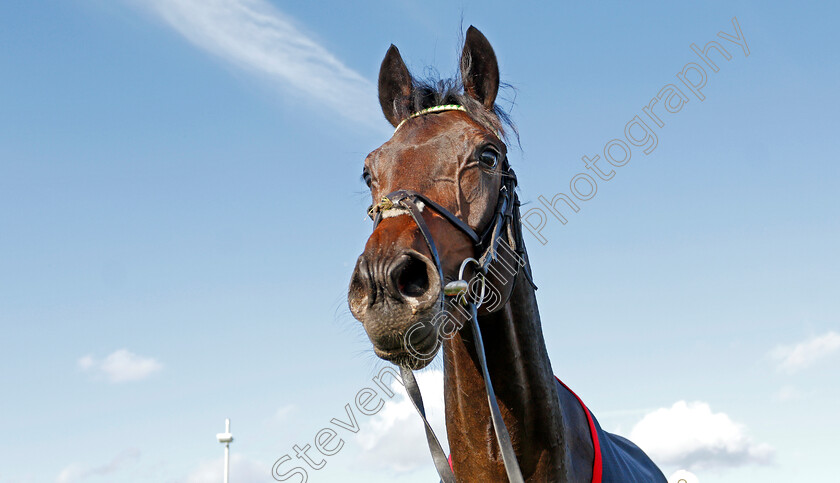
x=394 y=87
x=479 y=69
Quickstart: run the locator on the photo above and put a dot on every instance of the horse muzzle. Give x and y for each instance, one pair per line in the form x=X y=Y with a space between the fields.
x=395 y=298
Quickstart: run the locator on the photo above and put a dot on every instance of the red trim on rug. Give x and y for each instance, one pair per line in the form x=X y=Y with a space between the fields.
x=597 y=465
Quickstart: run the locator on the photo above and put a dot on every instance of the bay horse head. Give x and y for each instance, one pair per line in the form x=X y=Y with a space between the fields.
x=436 y=187
x=445 y=211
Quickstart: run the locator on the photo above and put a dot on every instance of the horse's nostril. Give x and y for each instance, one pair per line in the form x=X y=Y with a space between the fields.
x=412 y=278
x=357 y=284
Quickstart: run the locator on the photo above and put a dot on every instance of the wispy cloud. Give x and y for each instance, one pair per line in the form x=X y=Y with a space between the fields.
x=256 y=36
x=121 y=366
x=796 y=357
x=691 y=436
x=395 y=435
x=76 y=472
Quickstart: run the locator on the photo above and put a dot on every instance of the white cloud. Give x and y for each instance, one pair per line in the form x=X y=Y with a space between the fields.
x=77 y=472
x=395 y=439
x=121 y=366
x=691 y=436
x=242 y=470
x=683 y=476
x=799 y=356
x=254 y=35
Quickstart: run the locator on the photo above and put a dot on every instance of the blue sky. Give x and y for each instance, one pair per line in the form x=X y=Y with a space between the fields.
x=181 y=207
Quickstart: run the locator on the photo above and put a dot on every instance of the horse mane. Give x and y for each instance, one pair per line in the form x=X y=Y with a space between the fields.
x=434 y=91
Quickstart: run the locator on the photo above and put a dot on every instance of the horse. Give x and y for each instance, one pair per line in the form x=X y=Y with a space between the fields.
x=446 y=269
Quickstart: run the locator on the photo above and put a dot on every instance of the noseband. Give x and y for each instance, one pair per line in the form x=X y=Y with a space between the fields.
x=505 y=222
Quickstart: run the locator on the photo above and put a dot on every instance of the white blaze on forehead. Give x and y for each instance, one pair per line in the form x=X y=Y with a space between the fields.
x=397 y=210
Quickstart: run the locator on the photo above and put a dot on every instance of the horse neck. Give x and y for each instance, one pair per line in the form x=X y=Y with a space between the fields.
x=525 y=389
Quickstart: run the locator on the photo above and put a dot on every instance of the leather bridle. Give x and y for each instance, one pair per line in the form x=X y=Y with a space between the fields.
x=505 y=223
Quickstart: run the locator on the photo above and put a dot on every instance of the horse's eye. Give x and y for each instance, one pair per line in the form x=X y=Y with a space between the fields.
x=366 y=177
x=489 y=157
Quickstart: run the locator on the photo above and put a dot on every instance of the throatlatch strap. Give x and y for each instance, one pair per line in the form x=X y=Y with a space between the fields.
x=514 y=474
x=438 y=455
x=502 y=436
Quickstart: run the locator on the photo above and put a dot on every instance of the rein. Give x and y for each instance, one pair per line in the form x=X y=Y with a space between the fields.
x=505 y=219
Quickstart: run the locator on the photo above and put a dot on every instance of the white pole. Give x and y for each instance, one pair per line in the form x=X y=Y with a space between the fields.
x=227 y=452
x=226 y=438
x=227 y=462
